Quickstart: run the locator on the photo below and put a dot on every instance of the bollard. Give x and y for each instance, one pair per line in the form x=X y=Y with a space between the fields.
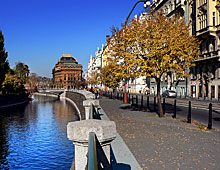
x=210 y=116
x=117 y=96
x=136 y=100
x=174 y=109
x=129 y=98
x=142 y=101
x=148 y=107
x=163 y=105
x=189 y=113
x=155 y=103
x=132 y=100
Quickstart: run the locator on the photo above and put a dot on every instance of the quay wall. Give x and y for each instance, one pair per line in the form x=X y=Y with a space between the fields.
x=7 y=101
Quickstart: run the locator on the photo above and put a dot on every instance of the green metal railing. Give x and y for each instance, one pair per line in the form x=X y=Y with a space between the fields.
x=92 y=163
x=92 y=153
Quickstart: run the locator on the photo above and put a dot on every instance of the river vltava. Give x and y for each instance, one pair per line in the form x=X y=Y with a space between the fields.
x=34 y=137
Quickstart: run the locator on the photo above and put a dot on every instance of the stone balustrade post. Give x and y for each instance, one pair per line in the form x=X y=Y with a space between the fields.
x=78 y=133
x=87 y=104
x=65 y=91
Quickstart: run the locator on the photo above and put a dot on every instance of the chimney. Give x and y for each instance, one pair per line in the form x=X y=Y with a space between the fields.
x=107 y=39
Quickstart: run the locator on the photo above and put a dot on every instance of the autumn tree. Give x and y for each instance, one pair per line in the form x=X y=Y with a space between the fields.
x=12 y=84
x=4 y=65
x=109 y=76
x=22 y=71
x=92 y=79
x=32 y=82
x=158 y=45
x=121 y=53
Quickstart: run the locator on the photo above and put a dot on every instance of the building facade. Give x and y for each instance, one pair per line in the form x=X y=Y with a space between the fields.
x=203 y=18
x=206 y=74
x=67 y=72
x=170 y=81
x=98 y=62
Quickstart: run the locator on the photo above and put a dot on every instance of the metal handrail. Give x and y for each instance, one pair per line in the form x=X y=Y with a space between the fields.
x=92 y=153
x=92 y=163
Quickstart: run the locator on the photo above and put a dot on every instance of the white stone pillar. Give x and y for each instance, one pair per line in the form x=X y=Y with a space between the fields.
x=87 y=104
x=78 y=133
x=216 y=92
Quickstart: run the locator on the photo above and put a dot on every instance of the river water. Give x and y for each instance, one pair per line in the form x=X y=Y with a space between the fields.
x=35 y=136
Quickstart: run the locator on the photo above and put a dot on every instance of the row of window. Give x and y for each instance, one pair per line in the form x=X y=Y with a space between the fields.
x=202 y=2
x=203 y=20
x=71 y=78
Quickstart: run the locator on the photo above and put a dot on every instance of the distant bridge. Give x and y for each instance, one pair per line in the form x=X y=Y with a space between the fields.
x=76 y=97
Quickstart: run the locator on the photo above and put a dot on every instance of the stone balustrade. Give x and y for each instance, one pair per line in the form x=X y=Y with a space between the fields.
x=78 y=133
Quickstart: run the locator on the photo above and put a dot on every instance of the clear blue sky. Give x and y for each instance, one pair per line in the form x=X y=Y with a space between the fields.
x=38 y=32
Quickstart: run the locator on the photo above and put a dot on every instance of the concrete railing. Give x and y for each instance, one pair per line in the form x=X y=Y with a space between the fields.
x=79 y=132
x=100 y=132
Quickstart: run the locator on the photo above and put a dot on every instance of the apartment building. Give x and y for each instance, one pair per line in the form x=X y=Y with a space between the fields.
x=203 y=18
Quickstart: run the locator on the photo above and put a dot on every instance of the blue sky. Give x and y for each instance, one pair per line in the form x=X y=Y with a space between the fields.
x=38 y=32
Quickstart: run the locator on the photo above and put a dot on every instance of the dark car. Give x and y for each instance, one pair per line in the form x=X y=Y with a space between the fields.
x=169 y=93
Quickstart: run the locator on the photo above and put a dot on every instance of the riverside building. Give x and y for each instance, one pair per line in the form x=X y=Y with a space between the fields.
x=67 y=72
x=203 y=16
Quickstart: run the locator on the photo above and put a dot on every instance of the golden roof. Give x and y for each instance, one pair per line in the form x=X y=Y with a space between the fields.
x=67 y=55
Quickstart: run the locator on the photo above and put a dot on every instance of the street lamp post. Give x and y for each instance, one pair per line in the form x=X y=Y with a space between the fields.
x=146 y=4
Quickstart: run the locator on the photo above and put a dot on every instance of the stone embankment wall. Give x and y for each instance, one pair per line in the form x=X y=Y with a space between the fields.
x=7 y=101
x=78 y=99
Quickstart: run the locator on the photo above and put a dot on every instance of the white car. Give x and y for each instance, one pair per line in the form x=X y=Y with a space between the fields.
x=169 y=93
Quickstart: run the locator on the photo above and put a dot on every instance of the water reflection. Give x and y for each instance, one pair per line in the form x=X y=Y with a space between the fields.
x=34 y=136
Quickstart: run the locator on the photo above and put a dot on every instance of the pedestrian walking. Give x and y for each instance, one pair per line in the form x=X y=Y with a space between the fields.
x=96 y=92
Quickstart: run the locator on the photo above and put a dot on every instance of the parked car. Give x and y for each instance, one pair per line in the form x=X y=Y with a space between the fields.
x=169 y=93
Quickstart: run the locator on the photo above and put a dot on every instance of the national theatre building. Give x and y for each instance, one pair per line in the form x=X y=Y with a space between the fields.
x=67 y=72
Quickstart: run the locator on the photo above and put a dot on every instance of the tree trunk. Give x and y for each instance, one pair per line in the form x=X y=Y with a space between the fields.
x=160 y=108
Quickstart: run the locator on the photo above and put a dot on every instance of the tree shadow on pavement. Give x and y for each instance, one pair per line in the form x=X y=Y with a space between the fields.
x=216 y=118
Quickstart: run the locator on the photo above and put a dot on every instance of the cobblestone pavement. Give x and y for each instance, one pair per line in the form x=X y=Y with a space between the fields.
x=164 y=143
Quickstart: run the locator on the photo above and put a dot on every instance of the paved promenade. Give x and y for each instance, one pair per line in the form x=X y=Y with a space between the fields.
x=164 y=143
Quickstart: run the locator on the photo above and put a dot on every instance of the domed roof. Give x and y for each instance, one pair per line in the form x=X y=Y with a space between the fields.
x=67 y=58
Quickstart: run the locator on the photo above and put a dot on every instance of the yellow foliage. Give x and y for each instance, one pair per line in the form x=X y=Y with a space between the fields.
x=154 y=46
x=109 y=76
